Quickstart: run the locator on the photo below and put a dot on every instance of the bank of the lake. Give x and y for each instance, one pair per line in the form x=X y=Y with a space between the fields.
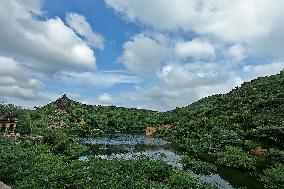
x=135 y=146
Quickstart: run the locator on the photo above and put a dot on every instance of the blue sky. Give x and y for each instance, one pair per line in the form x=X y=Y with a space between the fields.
x=149 y=54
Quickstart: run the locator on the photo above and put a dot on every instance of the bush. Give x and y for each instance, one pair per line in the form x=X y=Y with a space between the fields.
x=236 y=157
x=62 y=144
x=198 y=166
x=277 y=156
x=273 y=177
x=27 y=164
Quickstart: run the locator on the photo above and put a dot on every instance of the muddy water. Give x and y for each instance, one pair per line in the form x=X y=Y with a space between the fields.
x=135 y=146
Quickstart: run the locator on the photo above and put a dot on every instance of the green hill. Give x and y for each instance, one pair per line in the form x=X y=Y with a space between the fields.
x=243 y=129
x=88 y=119
x=248 y=116
x=252 y=114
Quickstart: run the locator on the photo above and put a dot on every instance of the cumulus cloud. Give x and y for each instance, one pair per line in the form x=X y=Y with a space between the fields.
x=80 y=25
x=235 y=53
x=209 y=49
x=17 y=81
x=181 y=84
x=182 y=76
x=47 y=44
x=197 y=49
x=251 y=22
x=165 y=97
x=143 y=54
x=105 y=99
x=99 y=79
x=264 y=69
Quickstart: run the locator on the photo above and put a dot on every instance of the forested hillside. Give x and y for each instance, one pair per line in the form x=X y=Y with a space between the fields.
x=88 y=119
x=242 y=129
x=249 y=115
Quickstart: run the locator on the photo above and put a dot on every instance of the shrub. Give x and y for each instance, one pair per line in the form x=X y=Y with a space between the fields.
x=62 y=144
x=27 y=164
x=273 y=177
x=235 y=157
x=198 y=166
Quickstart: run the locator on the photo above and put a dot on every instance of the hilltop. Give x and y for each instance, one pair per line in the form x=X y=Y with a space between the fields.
x=85 y=119
x=254 y=111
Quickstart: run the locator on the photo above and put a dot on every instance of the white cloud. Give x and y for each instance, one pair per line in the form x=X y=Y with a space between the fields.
x=105 y=99
x=17 y=81
x=80 y=25
x=183 y=76
x=209 y=44
x=163 y=97
x=197 y=48
x=143 y=54
x=258 y=23
x=182 y=84
x=99 y=79
x=264 y=69
x=49 y=45
x=235 y=53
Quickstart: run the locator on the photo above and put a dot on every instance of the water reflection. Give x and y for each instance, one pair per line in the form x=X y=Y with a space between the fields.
x=136 y=146
x=123 y=140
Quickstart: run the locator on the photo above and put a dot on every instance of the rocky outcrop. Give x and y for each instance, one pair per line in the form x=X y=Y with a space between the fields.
x=151 y=130
x=258 y=151
x=4 y=186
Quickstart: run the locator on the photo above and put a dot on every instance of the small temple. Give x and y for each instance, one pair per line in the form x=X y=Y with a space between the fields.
x=8 y=124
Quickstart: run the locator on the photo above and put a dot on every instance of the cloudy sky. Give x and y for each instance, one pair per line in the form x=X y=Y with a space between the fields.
x=153 y=54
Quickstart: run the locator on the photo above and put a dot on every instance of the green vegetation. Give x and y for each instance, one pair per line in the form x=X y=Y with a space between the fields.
x=235 y=157
x=198 y=166
x=60 y=143
x=24 y=116
x=27 y=164
x=243 y=129
x=77 y=118
x=230 y=127
x=273 y=177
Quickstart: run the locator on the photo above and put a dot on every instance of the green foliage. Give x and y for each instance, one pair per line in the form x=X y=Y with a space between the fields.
x=233 y=124
x=235 y=157
x=27 y=164
x=198 y=166
x=23 y=116
x=273 y=177
x=275 y=156
x=227 y=126
x=69 y=115
x=62 y=144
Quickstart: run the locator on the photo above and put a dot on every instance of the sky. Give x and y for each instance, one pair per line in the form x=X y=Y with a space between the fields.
x=150 y=54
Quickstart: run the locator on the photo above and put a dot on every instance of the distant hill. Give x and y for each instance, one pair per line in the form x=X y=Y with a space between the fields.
x=250 y=115
x=82 y=118
x=254 y=111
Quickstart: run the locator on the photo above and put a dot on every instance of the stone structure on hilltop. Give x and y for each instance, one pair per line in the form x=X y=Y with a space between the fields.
x=8 y=123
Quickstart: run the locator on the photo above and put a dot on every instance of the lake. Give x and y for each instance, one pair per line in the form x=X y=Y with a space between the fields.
x=134 y=146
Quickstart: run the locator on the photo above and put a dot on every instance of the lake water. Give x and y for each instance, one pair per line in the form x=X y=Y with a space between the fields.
x=135 y=146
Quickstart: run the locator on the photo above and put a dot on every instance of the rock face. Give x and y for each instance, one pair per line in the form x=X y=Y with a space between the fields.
x=4 y=186
x=151 y=130
x=258 y=151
